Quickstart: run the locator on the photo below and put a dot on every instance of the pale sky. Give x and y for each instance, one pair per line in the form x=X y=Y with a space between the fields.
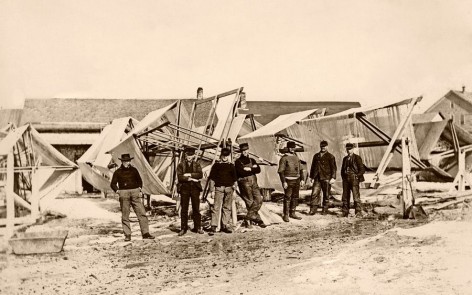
x=367 y=51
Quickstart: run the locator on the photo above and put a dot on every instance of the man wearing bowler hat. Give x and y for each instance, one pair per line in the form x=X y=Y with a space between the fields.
x=189 y=173
x=290 y=173
x=222 y=184
x=352 y=173
x=323 y=174
x=127 y=183
x=246 y=170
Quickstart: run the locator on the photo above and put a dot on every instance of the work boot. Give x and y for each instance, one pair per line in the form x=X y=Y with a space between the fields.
x=182 y=232
x=294 y=215
x=248 y=223
x=260 y=223
x=313 y=210
x=212 y=231
x=127 y=238
x=148 y=236
x=345 y=214
x=324 y=211
x=286 y=211
x=227 y=230
x=197 y=231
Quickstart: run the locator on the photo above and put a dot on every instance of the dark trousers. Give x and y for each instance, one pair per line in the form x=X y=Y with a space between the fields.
x=291 y=193
x=251 y=195
x=131 y=197
x=318 y=187
x=185 y=196
x=351 y=183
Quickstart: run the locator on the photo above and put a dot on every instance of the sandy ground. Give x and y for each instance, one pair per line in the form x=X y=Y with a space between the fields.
x=317 y=255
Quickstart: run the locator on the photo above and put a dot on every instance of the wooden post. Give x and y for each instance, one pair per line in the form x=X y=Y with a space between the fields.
x=9 y=194
x=34 y=194
x=407 y=195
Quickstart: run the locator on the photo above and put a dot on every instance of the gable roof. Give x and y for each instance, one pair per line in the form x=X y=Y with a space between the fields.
x=464 y=96
x=90 y=110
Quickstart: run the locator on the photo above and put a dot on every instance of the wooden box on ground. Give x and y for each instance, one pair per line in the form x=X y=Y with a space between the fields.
x=38 y=242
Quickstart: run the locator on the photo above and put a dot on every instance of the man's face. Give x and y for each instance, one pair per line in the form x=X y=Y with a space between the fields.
x=324 y=148
x=126 y=163
x=245 y=153
x=350 y=151
x=225 y=158
x=189 y=158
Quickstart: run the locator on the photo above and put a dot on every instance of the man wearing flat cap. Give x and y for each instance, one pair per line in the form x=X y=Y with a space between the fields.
x=127 y=183
x=352 y=173
x=246 y=170
x=290 y=173
x=222 y=179
x=323 y=174
x=189 y=173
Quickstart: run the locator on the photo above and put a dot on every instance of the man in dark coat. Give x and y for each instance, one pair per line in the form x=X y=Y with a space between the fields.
x=352 y=173
x=189 y=173
x=127 y=183
x=222 y=184
x=290 y=173
x=323 y=174
x=246 y=170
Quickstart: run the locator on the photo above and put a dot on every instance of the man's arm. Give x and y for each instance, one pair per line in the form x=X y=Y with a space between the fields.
x=313 y=165
x=114 y=181
x=360 y=164
x=198 y=174
x=256 y=169
x=138 y=178
x=180 y=173
x=333 y=167
x=281 y=170
x=239 y=167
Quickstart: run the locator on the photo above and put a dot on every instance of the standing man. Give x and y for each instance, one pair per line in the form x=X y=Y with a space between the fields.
x=127 y=183
x=222 y=184
x=323 y=174
x=290 y=173
x=189 y=173
x=246 y=170
x=352 y=173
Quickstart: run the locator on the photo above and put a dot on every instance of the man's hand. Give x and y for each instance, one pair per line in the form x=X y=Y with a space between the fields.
x=188 y=174
x=254 y=166
x=302 y=182
x=285 y=185
x=193 y=179
x=332 y=180
x=247 y=169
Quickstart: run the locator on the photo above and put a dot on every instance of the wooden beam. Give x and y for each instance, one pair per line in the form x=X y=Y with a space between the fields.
x=9 y=194
x=407 y=199
x=387 y=157
x=16 y=221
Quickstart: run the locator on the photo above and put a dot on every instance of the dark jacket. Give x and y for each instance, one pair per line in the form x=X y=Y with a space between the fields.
x=324 y=166
x=357 y=167
x=242 y=162
x=223 y=174
x=126 y=178
x=196 y=173
x=289 y=166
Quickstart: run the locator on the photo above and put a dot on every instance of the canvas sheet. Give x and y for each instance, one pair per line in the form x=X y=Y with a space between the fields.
x=224 y=110
x=151 y=183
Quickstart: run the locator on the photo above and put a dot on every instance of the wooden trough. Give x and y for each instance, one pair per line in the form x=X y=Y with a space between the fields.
x=38 y=242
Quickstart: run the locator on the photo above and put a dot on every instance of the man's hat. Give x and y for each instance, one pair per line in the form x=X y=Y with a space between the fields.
x=126 y=157
x=291 y=145
x=189 y=151
x=225 y=151
x=349 y=146
x=244 y=146
x=323 y=143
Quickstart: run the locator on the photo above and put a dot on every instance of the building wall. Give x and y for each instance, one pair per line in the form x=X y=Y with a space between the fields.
x=456 y=109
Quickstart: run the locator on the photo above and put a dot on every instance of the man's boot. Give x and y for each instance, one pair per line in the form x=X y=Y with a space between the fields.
x=313 y=210
x=286 y=211
x=294 y=215
x=324 y=211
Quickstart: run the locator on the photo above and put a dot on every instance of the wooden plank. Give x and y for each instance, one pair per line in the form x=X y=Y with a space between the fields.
x=401 y=126
x=35 y=196
x=407 y=199
x=16 y=221
x=10 y=199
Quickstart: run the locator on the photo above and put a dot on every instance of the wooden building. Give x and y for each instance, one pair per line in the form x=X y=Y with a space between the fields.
x=455 y=105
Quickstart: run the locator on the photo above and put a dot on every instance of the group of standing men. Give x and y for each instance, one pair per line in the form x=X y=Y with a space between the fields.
x=225 y=176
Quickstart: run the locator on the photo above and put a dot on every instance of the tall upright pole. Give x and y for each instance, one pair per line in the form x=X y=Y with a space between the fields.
x=9 y=194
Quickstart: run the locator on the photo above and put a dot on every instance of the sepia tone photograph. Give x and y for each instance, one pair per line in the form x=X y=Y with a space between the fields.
x=235 y=147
